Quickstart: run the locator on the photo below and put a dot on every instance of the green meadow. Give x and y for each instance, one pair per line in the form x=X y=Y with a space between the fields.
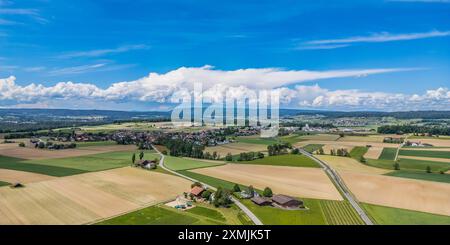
x=388 y=154
x=394 y=216
x=420 y=153
x=284 y=160
x=312 y=147
x=178 y=163
x=73 y=165
x=437 y=177
x=410 y=164
x=199 y=215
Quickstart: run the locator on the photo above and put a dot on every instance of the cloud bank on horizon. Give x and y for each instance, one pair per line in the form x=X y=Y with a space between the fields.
x=336 y=55
x=163 y=88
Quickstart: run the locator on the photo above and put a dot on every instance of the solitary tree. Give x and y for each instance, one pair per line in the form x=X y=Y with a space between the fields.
x=141 y=155
x=133 y=158
x=267 y=192
x=251 y=191
x=236 y=188
x=396 y=166
x=429 y=169
x=229 y=157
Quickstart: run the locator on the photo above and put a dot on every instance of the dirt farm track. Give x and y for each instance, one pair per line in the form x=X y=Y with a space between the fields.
x=293 y=181
x=86 y=198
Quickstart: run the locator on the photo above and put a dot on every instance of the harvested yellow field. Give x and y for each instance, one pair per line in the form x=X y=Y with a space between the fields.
x=373 y=152
x=13 y=176
x=425 y=196
x=235 y=148
x=293 y=181
x=13 y=150
x=433 y=159
x=350 y=164
x=86 y=198
x=346 y=143
x=434 y=142
x=369 y=138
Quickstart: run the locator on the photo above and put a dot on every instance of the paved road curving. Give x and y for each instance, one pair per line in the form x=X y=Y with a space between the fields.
x=247 y=211
x=340 y=183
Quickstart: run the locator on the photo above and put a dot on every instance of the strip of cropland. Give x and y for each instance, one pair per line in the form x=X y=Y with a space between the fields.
x=318 y=212
x=31 y=153
x=177 y=163
x=20 y=165
x=358 y=152
x=14 y=176
x=421 y=153
x=236 y=148
x=87 y=198
x=350 y=164
x=388 y=154
x=290 y=160
x=395 y=216
x=421 y=175
x=4 y=183
x=312 y=147
x=410 y=164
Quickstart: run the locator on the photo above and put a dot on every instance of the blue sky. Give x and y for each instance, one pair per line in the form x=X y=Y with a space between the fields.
x=100 y=43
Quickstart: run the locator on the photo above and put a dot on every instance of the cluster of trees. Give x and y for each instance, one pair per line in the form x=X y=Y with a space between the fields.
x=342 y=152
x=213 y=156
x=409 y=129
x=278 y=149
x=320 y=151
x=250 y=156
x=222 y=198
x=393 y=140
x=180 y=148
x=53 y=146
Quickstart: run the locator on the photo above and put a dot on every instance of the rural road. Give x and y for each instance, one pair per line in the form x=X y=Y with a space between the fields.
x=340 y=183
x=247 y=211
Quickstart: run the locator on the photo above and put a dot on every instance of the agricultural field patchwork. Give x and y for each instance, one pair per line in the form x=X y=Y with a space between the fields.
x=87 y=198
x=293 y=181
x=21 y=165
x=321 y=137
